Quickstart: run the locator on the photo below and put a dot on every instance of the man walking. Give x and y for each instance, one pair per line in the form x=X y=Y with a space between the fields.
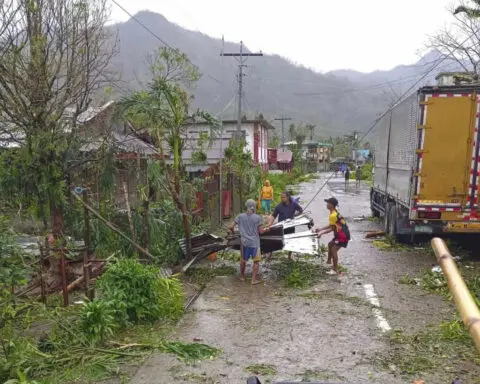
x=284 y=211
x=250 y=228
x=358 y=176
x=337 y=225
x=347 y=178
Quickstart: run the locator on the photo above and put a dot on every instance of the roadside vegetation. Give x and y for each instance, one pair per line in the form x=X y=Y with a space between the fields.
x=282 y=182
x=446 y=346
x=367 y=173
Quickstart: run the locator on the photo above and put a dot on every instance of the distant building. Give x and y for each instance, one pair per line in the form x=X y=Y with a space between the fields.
x=256 y=136
x=314 y=150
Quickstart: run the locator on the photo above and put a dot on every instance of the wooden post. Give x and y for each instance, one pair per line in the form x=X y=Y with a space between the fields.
x=145 y=204
x=86 y=256
x=43 y=253
x=63 y=272
x=129 y=211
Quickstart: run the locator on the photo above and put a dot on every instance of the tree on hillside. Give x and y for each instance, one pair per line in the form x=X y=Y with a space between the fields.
x=163 y=108
x=292 y=131
x=310 y=128
x=53 y=58
x=459 y=43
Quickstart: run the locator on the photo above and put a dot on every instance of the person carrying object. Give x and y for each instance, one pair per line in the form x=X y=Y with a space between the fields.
x=286 y=210
x=341 y=234
x=250 y=227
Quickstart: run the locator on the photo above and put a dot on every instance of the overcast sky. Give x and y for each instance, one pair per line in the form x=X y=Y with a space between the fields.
x=363 y=35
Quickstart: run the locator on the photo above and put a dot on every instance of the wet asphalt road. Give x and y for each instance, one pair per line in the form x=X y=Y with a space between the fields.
x=335 y=337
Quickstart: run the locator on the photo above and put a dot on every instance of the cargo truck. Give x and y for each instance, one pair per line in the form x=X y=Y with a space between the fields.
x=426 y=163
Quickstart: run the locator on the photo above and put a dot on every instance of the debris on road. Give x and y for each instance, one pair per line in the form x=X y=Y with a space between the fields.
x=304 y=242
x=371 y=235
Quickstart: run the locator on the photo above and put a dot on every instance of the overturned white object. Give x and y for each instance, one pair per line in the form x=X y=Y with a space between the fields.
x=301 y=242
x=295 y=222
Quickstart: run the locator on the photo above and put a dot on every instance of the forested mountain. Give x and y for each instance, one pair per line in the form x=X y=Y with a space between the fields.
x=337 y=102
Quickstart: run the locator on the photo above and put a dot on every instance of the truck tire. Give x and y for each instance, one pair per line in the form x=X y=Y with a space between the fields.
x=393 y=222
x=386 y=218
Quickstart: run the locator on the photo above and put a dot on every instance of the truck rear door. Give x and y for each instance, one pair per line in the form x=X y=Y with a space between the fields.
x=447 y=152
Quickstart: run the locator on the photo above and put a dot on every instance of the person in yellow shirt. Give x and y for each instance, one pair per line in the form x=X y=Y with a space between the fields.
x=341 y=234
x=266 y=197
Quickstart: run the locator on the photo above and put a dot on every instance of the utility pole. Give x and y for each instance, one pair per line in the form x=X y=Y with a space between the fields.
x=283 y=119
x=241 y=58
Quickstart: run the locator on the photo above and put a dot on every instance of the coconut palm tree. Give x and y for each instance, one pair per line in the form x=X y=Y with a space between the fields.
x=163 y=108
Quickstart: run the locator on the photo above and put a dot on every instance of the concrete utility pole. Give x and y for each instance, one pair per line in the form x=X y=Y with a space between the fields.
x=241 y=58
x=283 y=119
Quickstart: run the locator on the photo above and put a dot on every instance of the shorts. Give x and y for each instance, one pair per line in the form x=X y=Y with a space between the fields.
x=266 y=205
x=342 y=244
x=250 y=252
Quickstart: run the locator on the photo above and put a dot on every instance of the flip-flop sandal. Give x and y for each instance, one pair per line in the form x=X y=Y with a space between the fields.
x=257 y=282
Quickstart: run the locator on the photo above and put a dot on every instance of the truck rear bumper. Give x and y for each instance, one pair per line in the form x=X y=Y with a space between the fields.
x=459 y=227
x=439 y=227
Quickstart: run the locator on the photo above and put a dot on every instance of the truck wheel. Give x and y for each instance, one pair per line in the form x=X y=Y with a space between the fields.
x=386 y=218
x=393 y=222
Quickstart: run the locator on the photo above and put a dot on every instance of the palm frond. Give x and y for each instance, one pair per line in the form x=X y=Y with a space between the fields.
x=473 y=13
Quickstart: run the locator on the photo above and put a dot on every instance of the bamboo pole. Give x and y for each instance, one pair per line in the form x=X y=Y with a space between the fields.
x=463 y=299
x=117 y=231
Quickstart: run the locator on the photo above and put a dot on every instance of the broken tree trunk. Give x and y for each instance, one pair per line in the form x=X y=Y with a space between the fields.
x=371 y=235
x=81 y=279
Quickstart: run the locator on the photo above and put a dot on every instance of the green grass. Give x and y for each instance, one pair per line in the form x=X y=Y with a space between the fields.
x=262 y=369
x=203 y=275
x=389 y=245
x=444 y=345
x=299 y=274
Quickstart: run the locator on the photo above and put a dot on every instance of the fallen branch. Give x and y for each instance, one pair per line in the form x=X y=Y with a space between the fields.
x=81 y=279
x=116 y=230
x=134 y=345
x=371 y=235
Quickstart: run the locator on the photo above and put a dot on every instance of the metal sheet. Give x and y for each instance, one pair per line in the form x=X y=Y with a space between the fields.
x=296 y=222
x=303 y=242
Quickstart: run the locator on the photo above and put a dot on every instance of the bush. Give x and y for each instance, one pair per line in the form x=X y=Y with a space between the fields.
x=140 y=293
x=13 y=269
x=367 y=172
x=98 y=321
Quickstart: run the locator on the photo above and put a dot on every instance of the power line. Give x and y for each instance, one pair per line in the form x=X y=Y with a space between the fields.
x=133 y=17
x=407 y=94
x=403 y=97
